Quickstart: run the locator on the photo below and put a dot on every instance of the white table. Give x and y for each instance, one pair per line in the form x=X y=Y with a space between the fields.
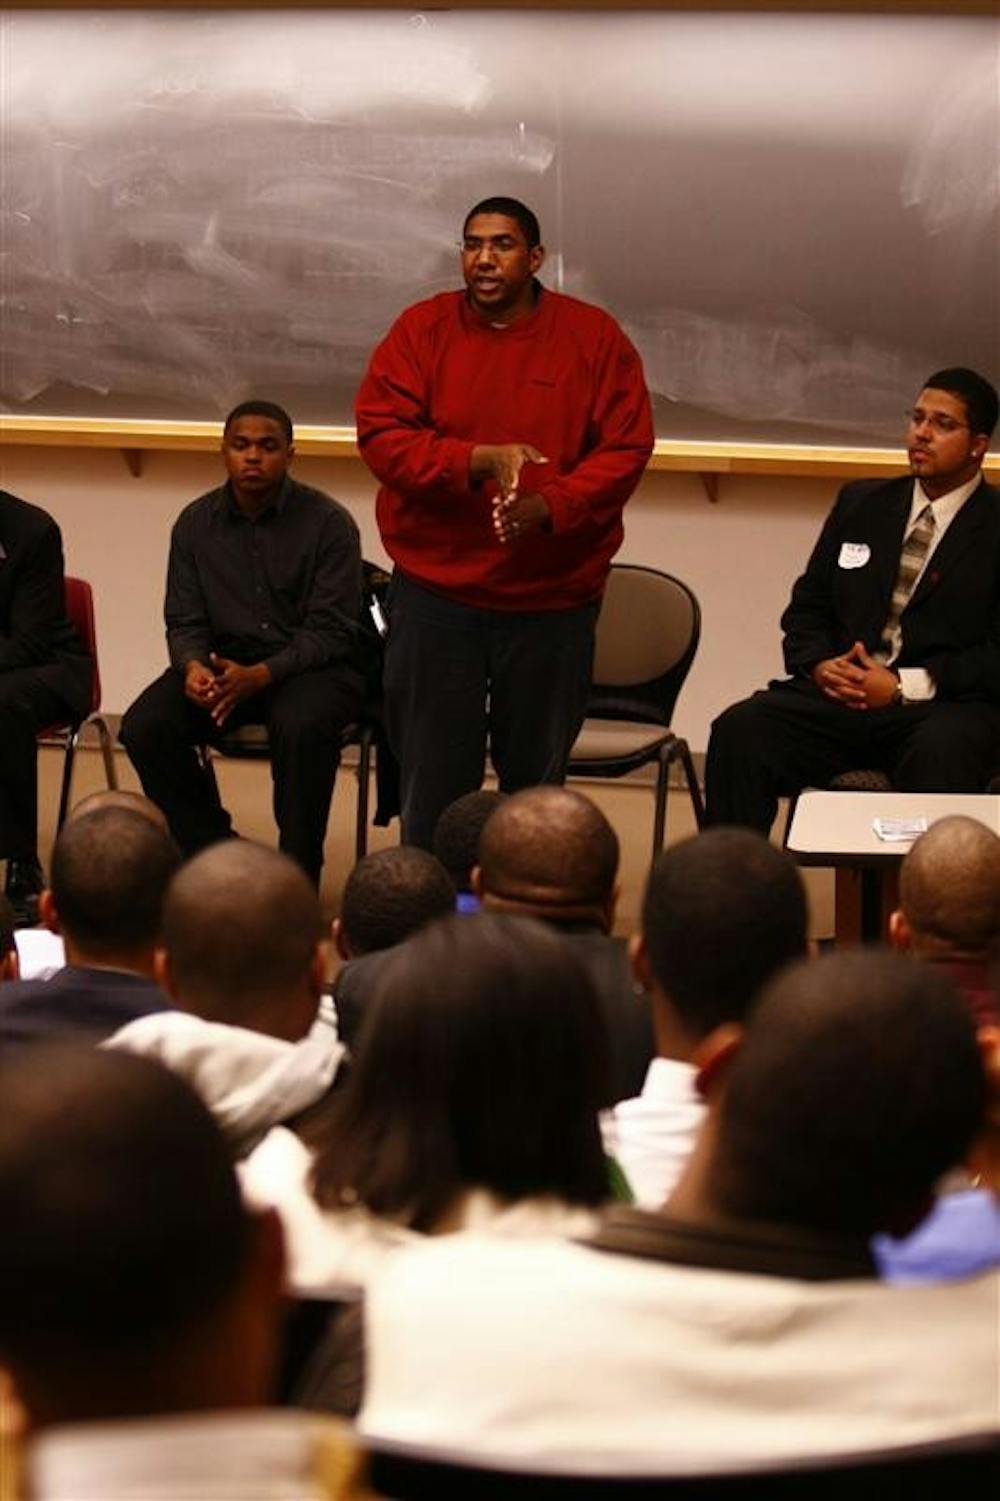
x=836 y=828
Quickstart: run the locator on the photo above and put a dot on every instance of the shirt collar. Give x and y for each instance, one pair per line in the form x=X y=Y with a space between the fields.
x=671 y=1079
x=946 y=507
x=228 y=507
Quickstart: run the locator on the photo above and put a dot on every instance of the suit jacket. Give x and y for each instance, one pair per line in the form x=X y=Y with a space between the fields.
x=76 y=1004
x=951 y=625
x=34 y=630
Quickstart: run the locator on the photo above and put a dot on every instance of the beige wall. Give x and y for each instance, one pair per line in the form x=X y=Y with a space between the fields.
x=739 y=555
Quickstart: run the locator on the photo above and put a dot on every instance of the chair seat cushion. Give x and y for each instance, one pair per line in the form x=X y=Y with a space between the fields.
x=618 y=739
x=861 y=781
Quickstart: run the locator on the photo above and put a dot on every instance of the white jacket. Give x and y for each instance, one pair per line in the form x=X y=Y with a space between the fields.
x=249 y=1081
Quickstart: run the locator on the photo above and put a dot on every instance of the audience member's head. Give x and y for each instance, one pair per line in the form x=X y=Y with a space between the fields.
x=722 y=912
x=389 y=895
x=457 y=834
x=858 y=1084
x=482 y=1063
x=133 y=1280
x=549 y=852
x=8 y=946
x=110 y=871
x=949 y=891
x=244 y=940
x=120 y=797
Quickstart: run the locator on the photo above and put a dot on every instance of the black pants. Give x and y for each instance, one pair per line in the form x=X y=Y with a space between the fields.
x=455 y=675
x=305 y=717
x=28 y=703
x=789 y=736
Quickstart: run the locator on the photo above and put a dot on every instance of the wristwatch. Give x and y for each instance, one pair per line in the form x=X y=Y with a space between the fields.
x=897 y=697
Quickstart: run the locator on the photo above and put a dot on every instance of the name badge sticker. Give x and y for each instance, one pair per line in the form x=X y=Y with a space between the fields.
x=854 y=554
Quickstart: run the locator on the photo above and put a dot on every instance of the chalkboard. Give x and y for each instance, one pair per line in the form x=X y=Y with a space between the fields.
x=795 y=217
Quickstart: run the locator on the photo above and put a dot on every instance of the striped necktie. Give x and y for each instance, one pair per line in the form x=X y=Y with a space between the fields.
x=911 y=561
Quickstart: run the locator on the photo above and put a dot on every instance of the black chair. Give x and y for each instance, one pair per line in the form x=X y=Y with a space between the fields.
x=967 y=1467
x=647 y=636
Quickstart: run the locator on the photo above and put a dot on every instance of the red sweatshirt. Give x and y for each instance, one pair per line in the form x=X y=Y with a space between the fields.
x=565 y=379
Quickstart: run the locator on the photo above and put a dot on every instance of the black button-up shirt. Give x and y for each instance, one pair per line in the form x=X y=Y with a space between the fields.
x=283 y=588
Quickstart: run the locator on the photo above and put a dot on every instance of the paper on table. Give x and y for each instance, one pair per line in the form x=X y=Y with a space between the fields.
x=899 y=830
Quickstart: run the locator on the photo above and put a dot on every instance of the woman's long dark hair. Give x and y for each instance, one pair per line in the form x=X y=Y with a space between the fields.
x=482 y=1062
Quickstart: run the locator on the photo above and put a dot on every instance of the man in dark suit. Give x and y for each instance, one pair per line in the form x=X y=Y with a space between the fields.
x=45 y=678
x=892 y=635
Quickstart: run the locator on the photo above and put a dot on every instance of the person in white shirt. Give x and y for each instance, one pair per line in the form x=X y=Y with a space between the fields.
x=745 y=1322
x=243 y=958
x=722 y=913
x=140 y=1300
x=892 y=636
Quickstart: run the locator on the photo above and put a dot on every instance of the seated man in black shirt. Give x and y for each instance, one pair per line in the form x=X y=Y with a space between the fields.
x=263 y=594
x=45 y=679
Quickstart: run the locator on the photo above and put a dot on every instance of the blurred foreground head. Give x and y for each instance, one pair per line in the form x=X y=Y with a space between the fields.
x=858 y=1084
x=132 y=1280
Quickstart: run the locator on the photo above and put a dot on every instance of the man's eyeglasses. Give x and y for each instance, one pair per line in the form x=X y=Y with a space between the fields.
x=501 y=244
x=939 y=422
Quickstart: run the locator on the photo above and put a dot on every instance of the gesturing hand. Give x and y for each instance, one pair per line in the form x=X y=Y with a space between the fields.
x=520 y=516
x=503 y=462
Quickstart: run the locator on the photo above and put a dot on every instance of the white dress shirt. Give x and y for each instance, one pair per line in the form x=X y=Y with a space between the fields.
x=651 y=1136
x=916 y=682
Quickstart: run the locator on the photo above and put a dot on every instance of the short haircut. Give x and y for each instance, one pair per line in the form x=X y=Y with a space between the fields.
x=122 y=1221
x=949 y=886
x=390 y=894
x=8 y=923
x=858 y=1084
x=120 y=797
x=457 y=833
x=268 y=409
x=482 y=1062
x=974 y=390
x=240 y=926
x=549 y=846
x=722 y=912
x=510 y=208
x=110 y=872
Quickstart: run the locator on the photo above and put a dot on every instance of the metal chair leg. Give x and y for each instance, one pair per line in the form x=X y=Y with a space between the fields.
x=107 y=750
x=682 y=751
x=72 y=736
x=662 y=788
x=364 y=776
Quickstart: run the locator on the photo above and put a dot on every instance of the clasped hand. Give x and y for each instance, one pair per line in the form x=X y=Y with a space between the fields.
x=856 y=680
x=223 y=684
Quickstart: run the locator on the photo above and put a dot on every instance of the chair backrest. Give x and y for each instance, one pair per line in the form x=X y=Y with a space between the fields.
x=80 y=611
x=647 y=635
x=955 y=1467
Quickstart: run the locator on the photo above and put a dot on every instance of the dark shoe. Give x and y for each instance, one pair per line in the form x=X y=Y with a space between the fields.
x=23 y=887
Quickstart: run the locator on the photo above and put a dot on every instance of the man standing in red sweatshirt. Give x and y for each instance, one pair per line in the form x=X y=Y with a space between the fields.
x=507 y=425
